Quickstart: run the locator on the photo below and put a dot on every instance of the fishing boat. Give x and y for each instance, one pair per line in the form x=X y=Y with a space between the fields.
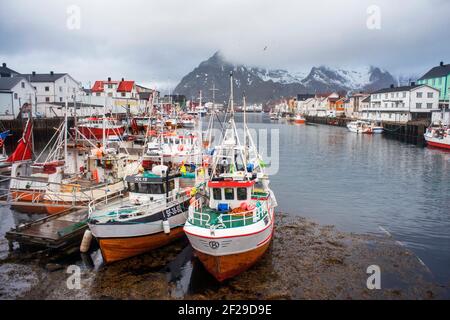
x=438 y=136
x=151 y=217
x=65 y=174
x=188 y=121
x=359 y=127
x=274 y=116
x=231 y=223
x=299 y=119
x=376 y=129
x=95 y=128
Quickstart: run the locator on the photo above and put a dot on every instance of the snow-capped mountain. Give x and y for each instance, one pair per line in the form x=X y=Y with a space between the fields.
x=261 y=85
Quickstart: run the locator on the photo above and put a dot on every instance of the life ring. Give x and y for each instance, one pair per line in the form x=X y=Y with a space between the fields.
x=180 y=147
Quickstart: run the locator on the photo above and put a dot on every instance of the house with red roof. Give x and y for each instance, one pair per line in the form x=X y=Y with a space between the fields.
x=123 y=89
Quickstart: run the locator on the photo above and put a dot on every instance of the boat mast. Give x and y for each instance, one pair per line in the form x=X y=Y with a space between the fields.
x=103 y=123
x=65 y=133
x=245 y=132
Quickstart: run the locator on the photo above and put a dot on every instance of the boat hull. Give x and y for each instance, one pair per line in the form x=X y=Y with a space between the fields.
x=227 y=255
x=97 y=133
x=119 y=241
x=300 y=121
x=230 y=266
x=436 y=144
x=116 y=249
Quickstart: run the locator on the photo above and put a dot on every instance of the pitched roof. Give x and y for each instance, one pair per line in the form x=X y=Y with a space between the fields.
x=4 y=70
x=397 y=89
x=437 y=72
x=44 y=77
x=98 y=86
x=366 y=99
x=6 y=84
x=125 y=86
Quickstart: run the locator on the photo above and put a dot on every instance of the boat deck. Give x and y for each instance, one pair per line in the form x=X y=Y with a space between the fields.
x=207 y=217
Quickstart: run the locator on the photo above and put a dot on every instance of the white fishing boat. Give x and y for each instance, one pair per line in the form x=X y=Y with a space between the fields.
x=66 y=174
x=153 y=215
x=299 y=119
x=359 y=127
x=438 y=136
x=231 y=223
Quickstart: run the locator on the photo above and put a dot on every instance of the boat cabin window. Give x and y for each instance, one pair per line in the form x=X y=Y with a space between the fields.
x=148 y=188
x=229 y=194
x=171 y=185
x=132 y=187
x=242 y=194
x=217 y=194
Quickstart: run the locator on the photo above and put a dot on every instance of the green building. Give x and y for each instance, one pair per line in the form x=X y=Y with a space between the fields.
x=439 y=78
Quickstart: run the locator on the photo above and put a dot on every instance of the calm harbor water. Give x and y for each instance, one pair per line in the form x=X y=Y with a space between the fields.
x=358 y=183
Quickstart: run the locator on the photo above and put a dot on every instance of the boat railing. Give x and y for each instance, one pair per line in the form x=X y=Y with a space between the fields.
x=37 y=191
x=200 y=218
x=159 y=204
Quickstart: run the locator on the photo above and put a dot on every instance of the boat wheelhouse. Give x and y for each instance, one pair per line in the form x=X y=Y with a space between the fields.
x=438 y=137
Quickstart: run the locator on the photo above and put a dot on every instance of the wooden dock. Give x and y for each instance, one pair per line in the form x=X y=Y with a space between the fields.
x=56 y=232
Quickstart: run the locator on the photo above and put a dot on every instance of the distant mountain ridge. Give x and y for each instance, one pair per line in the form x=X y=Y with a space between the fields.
x=261 y=85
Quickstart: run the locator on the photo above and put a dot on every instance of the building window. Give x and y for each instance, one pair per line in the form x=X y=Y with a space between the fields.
x=35 y=88
x=16 y=96
x=385 y=105
x=98 y=94
x=47 y=89
x=65 y=79
x=47 y=99
x=386 y=96
x=429 y=106
x=110 y=94
x=418 y=106
x=404 y=94
x=60 y=99
x=110 y=86
x=419 y=94
x=430 y=95
x=23 y=85
x=60 y=89
x=123 y=94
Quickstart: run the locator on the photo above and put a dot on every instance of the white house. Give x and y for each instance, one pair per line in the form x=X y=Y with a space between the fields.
x=119 y=96
x=353 y=104
x=15 y=94
x=52 y=91
x=401 y=104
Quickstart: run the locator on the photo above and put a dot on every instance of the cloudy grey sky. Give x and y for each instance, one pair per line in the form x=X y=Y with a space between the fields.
x=157 y=42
